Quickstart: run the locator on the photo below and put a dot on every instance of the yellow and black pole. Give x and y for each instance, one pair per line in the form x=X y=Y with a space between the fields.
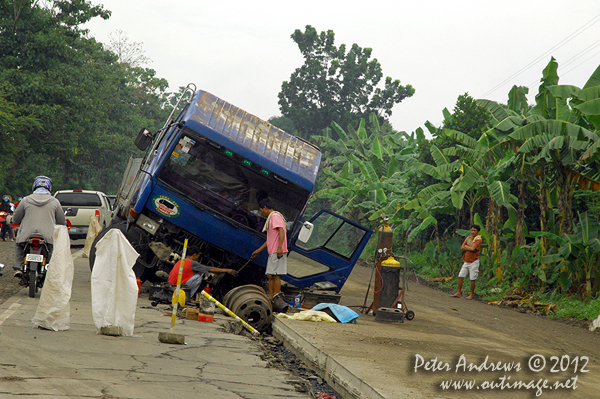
x=171 y=337
x=230 y=313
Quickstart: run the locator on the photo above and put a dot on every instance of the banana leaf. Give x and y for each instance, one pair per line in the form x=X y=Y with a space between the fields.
x=438 y=156
x=594 y=80
x=484 y=233
x=428 y=221
x=564 y=91
x=497 y=110
x=340 y=131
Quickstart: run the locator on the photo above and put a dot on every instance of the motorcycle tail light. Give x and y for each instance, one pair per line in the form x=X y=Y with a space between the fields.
x=36 y=242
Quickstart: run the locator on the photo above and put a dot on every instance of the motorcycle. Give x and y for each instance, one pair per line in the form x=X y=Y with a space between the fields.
x=36 y=258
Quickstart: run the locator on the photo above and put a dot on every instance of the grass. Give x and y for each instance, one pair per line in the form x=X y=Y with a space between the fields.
x=575 y=308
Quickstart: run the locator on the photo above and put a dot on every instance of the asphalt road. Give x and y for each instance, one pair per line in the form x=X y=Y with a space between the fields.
x=81 y=363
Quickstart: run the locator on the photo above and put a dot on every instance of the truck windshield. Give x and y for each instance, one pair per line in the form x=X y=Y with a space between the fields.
x=227 y=183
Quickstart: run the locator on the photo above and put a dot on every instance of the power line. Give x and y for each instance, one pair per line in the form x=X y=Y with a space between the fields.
x=573 y=35
x=581 y=53
x=575 y=58
x=583 y=62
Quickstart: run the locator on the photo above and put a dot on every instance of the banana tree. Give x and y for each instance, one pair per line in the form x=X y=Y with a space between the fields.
x=491 y=182
x=366 y=170
x=564 y=136
x=579 y=255
x=435 y=197
x=555 y=141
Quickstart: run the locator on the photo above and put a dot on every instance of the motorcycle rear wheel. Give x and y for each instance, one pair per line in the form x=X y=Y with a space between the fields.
x=32 y=282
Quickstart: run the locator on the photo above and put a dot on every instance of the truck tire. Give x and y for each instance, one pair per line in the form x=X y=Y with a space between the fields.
x=140 y=271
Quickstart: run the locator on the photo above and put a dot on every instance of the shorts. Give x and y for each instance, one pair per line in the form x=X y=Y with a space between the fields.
x=470 y=269
x=276 y=267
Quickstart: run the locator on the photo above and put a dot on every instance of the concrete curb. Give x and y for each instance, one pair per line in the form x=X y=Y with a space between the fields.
x=335 y=374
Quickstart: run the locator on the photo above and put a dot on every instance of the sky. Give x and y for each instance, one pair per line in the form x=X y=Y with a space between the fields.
x=241 y=51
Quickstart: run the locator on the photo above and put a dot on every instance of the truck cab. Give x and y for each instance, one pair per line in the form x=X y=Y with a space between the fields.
x=202 y=178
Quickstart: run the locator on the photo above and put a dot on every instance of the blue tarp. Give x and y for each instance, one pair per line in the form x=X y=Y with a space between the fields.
x=342 y=313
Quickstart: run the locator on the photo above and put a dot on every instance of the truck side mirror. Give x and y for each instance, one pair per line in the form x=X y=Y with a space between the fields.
x=305 y=232
x=143 y=139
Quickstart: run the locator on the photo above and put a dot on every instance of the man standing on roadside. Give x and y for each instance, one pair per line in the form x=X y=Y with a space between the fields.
x=470 y=268
x=276 y=245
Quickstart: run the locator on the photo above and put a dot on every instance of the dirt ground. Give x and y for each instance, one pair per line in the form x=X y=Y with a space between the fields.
x=8 y=284
x=445 y=328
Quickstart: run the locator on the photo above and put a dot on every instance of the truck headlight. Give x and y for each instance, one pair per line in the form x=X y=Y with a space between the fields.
x=147 y=224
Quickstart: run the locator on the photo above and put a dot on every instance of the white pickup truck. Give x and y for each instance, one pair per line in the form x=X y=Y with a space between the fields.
x=79 y=205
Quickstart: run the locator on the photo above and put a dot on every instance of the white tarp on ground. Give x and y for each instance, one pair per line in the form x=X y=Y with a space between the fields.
x=114 y=286
x=53 y=311
x=93 y=231
x=309 y=315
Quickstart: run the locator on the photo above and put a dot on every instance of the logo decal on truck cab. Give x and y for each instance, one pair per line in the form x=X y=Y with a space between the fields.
x=166 y=206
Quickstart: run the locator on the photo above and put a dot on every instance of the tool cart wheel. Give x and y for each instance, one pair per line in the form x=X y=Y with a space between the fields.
x=410 y=315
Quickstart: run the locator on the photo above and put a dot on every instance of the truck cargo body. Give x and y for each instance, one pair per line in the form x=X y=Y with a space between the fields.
x=203 y=179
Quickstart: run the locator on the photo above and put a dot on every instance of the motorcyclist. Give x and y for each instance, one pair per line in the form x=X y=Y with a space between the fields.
x=5 y=206
x=37 y=213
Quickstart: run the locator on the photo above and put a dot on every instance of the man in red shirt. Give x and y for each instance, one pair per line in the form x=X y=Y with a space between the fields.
x=276 y=245
x=193 y=270
x=470 y=268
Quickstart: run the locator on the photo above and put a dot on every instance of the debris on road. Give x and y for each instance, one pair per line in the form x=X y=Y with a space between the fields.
x=520 y=299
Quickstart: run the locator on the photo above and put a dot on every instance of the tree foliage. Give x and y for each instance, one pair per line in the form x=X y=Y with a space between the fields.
x=75 y=109
x=336 y=85
x=498 y=160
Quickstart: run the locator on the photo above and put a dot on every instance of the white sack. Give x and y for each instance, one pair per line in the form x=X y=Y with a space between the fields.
x=114 y=286
x=53 y=311
x=595 y=324
x=93 y=231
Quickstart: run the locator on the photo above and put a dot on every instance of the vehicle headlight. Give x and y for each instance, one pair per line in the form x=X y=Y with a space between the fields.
x=147 y=224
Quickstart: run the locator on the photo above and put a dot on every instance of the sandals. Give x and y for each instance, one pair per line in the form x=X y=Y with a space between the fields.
x=455 y=296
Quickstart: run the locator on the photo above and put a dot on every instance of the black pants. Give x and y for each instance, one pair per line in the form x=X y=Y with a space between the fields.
x=6 y=228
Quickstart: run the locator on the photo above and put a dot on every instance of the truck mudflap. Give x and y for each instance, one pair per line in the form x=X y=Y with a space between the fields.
x=329 y=254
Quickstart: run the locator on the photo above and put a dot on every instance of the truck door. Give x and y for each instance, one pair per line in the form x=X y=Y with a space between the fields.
x=329 y=254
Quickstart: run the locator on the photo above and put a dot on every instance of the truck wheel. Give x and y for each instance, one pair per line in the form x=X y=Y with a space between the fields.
x=141 y=272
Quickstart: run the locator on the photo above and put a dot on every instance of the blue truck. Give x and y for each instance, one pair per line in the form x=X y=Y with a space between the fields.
x=202 y=178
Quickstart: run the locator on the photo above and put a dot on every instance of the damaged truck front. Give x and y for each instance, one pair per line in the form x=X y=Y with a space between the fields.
x=203 y=177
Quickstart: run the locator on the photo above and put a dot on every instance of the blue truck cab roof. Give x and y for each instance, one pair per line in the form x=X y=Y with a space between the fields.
x=259 y=141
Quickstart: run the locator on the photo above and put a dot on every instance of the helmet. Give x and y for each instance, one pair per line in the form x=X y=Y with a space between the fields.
x=42 y=182
x=5 y=198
